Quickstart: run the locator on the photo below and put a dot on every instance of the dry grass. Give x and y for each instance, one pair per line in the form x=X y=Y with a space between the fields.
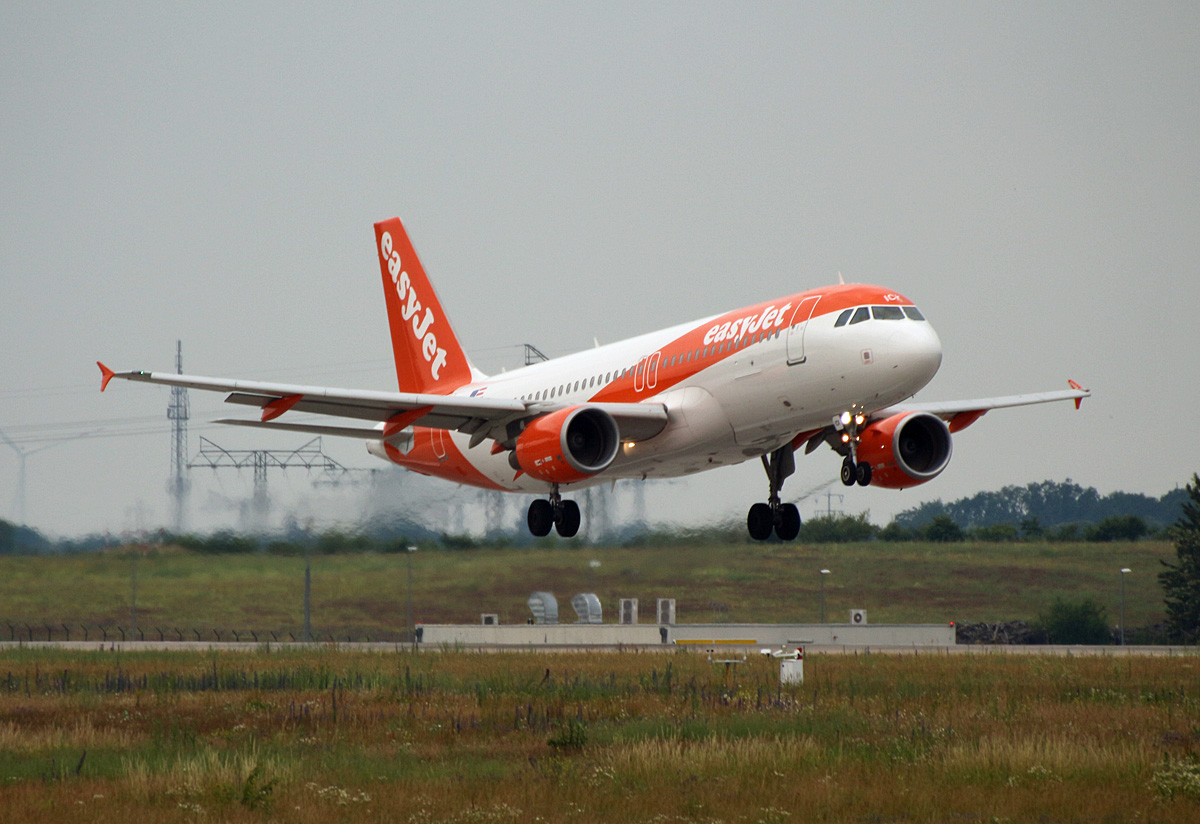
x=460 y=737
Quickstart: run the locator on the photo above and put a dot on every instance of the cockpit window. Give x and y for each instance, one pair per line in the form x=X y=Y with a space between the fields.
x=887 y=312
x=842 y=318
x=913 y=313
x=860 y=314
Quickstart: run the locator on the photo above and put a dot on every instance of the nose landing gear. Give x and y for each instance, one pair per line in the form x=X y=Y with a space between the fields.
x=563 y=515
x=783 y=518
x=854 y=471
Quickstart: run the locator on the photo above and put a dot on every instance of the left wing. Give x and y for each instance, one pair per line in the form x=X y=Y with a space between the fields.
x=480 y=417
x=961 y=414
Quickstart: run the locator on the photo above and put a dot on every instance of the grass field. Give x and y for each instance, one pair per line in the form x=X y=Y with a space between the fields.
x=364 y=594
x=329 y=735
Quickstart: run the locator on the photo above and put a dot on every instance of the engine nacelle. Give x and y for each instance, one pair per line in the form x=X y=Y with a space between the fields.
x=568 y=445
x=906 y=449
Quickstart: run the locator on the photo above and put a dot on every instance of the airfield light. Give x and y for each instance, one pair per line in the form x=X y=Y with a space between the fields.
x=824 y=572
x=409 y=550
x=1124 y=571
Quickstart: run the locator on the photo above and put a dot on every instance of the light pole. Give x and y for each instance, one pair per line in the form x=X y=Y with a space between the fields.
x=409 y=550
x=1124 y=571
x=824 y=572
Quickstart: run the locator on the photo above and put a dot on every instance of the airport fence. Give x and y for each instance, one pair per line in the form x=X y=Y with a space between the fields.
x=31 y=631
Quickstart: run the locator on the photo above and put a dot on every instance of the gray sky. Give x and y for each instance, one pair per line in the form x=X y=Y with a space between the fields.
x=1027 y=173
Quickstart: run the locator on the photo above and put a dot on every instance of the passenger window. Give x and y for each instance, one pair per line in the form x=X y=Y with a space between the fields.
x=887 y=312
x=860 y=314
x=842 y=318
x=913 y=313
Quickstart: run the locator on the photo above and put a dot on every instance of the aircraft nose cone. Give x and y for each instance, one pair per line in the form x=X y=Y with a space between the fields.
x=917 y=350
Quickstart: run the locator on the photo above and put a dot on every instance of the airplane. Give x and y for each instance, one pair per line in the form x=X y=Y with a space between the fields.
x=836 y=365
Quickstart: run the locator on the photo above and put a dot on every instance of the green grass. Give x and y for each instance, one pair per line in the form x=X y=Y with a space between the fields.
x=921 y=583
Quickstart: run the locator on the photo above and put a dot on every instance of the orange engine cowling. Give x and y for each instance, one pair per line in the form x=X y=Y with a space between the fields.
x=568 y=445
x=906 y=449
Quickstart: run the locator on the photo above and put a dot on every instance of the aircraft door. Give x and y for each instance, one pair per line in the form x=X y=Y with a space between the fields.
x=797 y=327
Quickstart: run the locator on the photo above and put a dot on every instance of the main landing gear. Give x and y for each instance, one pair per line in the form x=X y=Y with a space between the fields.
x=783 y=518
x=854 y=471
x=562 y=515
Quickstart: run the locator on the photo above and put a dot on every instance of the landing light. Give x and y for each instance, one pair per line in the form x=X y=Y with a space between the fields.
x=845 y=419
x=860 y=419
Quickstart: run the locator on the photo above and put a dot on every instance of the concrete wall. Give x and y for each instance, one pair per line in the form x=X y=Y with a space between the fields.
x=773 y=635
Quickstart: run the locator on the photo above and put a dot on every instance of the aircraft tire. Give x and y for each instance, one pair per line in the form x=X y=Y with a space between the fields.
x=759 y=522
x=569 y=520
x=849 y=473
x=540 y=518
x=862 y=473
x=789 y=522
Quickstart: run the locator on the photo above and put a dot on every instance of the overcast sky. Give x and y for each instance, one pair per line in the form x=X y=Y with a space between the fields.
x=1027 y=173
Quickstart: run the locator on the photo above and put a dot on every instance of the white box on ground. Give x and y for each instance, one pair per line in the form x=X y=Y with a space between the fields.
x=791 y=671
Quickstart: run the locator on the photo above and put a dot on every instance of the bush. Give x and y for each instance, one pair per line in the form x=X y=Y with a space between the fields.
x=942 y=529
x=995 y=533
x=895 y=532
x=837 y=529
x=1117 y=528
x=1080 y=622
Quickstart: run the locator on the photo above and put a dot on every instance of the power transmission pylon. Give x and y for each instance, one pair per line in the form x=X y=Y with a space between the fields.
x=309 y=456
x=177 y=413
x=534 y=355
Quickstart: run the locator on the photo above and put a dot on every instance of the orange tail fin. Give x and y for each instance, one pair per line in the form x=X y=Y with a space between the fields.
x=429 y=357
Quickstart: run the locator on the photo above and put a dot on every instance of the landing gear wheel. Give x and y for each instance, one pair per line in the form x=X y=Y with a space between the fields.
x=568 y=519
x=541 y=518
x=759 y=522
x=849 y=472
x=863 y=473
x=788 y=526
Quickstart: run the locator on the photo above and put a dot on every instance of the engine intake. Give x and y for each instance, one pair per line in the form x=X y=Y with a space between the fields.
x=906 y=449
x=568 y=445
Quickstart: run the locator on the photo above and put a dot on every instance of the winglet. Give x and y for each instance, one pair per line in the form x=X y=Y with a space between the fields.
x=106 y=375
x=1074 y=385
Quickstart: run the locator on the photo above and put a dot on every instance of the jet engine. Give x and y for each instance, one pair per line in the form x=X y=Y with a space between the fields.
x=906 y=449
x=568 y=445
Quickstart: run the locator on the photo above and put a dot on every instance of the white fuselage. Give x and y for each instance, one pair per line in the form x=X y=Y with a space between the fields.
x=726 y=402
